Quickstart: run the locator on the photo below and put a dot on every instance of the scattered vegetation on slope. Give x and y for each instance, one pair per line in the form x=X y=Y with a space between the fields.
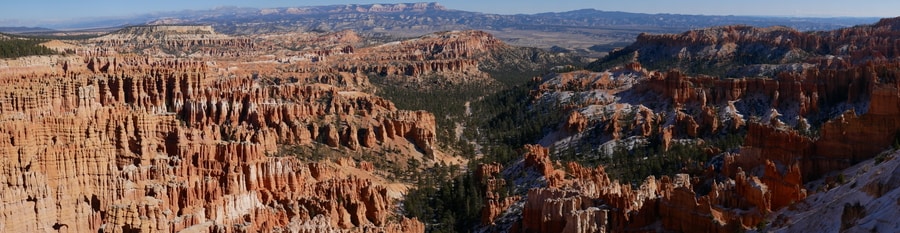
x=16 y=47
x=449 y=199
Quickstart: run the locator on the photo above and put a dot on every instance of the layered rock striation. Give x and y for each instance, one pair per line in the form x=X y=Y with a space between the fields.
x=160 y=146
x=118 y=143
x=822 y=111
x=738 y=51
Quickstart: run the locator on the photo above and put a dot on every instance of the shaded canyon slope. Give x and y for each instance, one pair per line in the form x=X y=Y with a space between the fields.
x=801 y=108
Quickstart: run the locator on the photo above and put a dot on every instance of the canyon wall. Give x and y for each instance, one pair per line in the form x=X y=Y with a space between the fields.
x=136 y=143
x=827 y=101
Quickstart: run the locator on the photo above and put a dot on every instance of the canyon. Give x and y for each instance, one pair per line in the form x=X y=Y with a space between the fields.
x=803 y=129
x=179 y=127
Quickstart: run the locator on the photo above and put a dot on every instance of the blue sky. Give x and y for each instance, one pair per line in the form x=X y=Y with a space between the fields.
x=32 y=11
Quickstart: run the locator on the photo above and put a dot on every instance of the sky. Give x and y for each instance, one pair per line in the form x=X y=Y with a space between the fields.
x=31 y=12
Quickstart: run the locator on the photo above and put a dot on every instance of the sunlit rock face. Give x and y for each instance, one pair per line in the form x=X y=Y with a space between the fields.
x=178 y=128
x=821 y=103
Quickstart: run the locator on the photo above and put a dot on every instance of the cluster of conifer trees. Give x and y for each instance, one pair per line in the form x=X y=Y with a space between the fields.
x=13 y=48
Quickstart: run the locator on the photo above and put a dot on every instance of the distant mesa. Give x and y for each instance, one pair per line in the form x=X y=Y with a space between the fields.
x=167 y=29
x=356 y=8
x=146 y=34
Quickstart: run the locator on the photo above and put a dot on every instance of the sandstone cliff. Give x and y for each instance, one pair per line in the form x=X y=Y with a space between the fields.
x=738 y=51
x=820 y=112
x=769 y=171
x=588 y=201
x=103 y=141
x=171 y=40
x=157 y=145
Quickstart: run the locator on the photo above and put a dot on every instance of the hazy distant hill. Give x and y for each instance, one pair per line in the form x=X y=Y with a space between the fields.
x=24 y=29
x=579 y=30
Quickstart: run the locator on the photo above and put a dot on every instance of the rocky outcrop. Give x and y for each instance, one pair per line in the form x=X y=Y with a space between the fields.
x=825 y=111
x=695 y=107
x=741 y=51
x=547 y=210
x=118 y=144
x=494 y=203
x=868 y=192
x=575 y=123
x=589 y=201
x=171 y=37
x=432 y=61
x=172 y=178
x=537 y=158
x=844 y=140
x=726 y=44
x=179 y=128
x=456 y=55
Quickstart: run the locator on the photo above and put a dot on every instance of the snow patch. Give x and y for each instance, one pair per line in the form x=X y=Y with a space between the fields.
x=874 y=186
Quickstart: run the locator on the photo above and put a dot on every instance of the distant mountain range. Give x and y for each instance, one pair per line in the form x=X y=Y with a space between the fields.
x=580 y=29
x=24 y=29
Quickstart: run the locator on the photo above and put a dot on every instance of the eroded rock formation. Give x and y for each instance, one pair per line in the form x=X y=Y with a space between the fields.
x=159 y=146
x=100 y=141
x=817 y=112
